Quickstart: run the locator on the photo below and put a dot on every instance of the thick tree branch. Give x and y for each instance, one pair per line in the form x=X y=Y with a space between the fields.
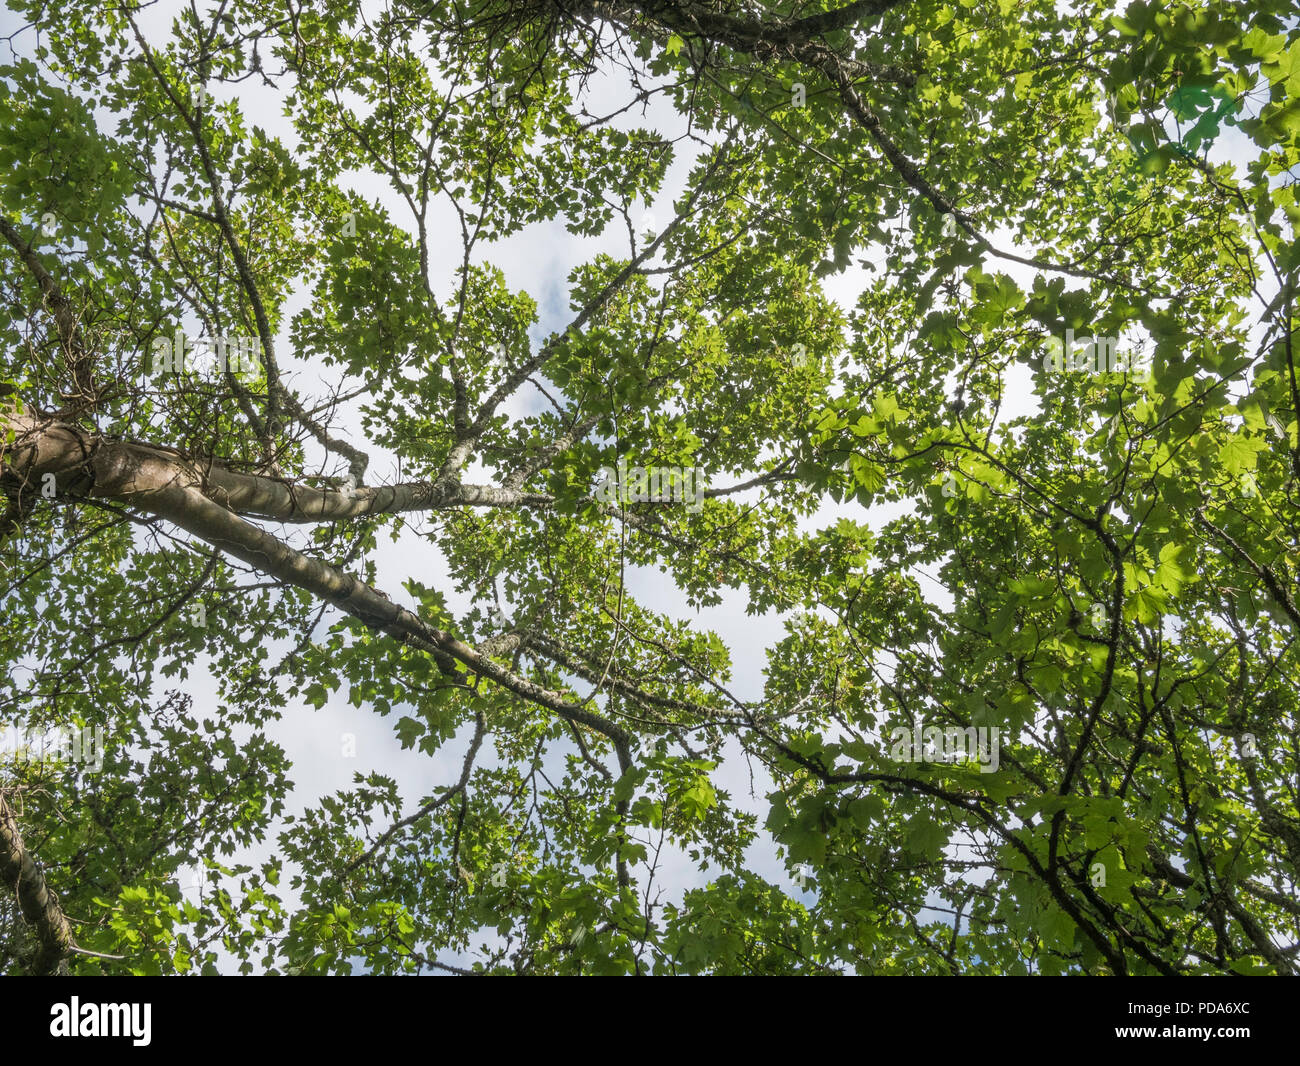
x=40 y=906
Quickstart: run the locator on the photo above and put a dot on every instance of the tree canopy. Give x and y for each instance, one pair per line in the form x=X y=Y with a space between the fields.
x=953 y=342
